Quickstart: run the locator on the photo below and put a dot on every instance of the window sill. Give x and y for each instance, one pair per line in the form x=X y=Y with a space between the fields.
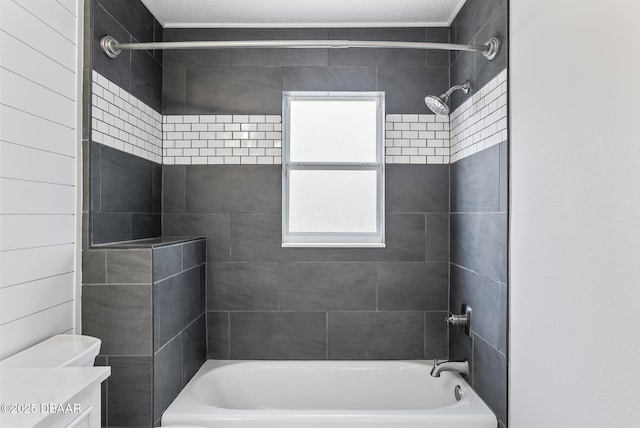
x=332 y=245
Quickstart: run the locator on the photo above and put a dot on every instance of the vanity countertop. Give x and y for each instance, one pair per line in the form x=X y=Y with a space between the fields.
x=29 y=396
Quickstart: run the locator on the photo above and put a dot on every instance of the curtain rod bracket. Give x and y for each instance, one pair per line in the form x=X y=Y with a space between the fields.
x=493 y=48
x=108 y=45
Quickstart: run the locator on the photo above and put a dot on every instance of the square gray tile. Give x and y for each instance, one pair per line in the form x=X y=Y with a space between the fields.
x=218 y=335
x=167 y=261
x=377 y=57
x=194 y=253
x=417 y=188
x=194 y=348
x=120 y=316
x=130 y=392
x=174 y=81
x=479 y=243
x=94 y=267
x=436 y=336
x=437 y=239
x=215 y=227
x=238 y=90
x=327 y=286
x=278 y=335
x=167 y=376
x=405 y=241
x=329 y=78
x=475 y=182
x=483 y=295
x=490 y=377
x=173 y=189
x=180 y=300
x=242 y=286
x=406 y=87
x=258 y=237
x=129 y=266
x=413 y=286
x=233 y=189
x=376 y=335
x=110 y=227
x=126 y=182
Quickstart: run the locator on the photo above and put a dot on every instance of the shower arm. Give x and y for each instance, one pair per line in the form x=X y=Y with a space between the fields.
x=112 y=47
x=465 y=87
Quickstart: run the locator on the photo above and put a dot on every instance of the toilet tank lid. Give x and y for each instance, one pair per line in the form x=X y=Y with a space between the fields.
x=58 y=351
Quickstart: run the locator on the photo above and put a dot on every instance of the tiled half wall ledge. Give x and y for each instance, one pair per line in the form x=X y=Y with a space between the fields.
x=122 y=121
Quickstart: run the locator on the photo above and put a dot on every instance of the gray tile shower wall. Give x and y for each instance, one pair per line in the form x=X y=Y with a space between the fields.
x=269 y=302
x=122 y=199
x=477 y=22
x=478 y=275
x=179 y=344
x=138 y=72
x=117 y=296
x=147 y=305
x=246 y=81
x=479 y=216
x=125 y=196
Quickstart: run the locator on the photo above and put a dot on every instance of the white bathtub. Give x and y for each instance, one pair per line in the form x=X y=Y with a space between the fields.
x=280 y=394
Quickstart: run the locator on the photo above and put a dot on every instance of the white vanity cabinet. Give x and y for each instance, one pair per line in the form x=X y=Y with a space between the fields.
x=51 y=397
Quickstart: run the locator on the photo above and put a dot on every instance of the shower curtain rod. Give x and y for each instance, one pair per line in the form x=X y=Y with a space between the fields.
x=112 y=47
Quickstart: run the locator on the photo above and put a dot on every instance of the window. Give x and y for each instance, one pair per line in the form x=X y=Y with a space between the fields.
x=333 y=169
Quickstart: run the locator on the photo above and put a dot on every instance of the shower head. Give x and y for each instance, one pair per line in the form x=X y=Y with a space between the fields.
x=439 y=105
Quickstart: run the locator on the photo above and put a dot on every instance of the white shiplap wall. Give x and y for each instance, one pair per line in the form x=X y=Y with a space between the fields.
x=39 y=47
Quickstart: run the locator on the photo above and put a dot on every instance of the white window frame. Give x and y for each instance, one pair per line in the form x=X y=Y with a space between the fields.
x=333 y=239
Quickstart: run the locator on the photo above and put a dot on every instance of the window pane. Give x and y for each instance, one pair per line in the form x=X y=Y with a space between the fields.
x=333 y=131
x=333 y=201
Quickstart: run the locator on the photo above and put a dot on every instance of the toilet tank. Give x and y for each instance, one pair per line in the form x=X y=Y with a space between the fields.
x=63 y=350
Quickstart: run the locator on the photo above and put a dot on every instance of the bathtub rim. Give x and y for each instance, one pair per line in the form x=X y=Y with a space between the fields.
x=188 y=409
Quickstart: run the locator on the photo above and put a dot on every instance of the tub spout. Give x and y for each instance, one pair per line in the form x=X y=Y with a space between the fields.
x=449 y=366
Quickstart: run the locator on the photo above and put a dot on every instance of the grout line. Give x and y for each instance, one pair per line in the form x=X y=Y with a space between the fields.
x=229 y=333
x=497 y=281
x=326 y=340
x=179 y=333
x=160 y=281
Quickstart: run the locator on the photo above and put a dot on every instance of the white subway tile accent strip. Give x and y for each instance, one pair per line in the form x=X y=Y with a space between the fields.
x=122 y=121
x=257 y=139
x=417 y=139
x=222 y=139
x=481 y=122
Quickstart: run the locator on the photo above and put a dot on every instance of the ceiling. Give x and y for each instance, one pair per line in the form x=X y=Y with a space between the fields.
x=304 y=13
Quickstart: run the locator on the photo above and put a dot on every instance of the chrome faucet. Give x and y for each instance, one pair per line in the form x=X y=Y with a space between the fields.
x=449 y=366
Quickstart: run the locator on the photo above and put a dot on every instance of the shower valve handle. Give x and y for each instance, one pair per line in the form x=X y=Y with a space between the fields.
x=463 y=320
x=457 y=320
